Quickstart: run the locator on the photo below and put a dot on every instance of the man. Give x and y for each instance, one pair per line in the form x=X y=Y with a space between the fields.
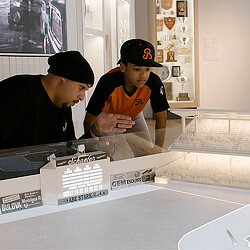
x=36 y=109
x=126 y=90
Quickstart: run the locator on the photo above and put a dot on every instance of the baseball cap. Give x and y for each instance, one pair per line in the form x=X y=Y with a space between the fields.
x=71 y=65
x=139 y=52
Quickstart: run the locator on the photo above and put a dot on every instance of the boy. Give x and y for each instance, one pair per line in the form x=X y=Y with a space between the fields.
x=126 y=90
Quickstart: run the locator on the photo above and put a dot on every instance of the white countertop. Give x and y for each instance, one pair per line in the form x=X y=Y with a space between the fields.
x=146 y=216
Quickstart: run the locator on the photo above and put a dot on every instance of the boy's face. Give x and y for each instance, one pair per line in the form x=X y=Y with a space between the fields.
x=135 y=75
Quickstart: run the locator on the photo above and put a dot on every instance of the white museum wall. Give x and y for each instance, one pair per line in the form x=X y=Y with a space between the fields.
x=224 y=57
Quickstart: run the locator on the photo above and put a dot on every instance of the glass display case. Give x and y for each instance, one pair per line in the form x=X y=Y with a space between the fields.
x=94 y=35
x=93 y=14
x=123 y=22
x=176 y=44
x=107 y=24
x=215 y=146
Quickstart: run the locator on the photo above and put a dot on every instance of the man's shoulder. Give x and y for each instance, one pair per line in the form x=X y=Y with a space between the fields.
x=21 y=80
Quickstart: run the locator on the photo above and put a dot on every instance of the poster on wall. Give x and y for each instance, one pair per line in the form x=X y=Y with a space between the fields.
x=32 y=27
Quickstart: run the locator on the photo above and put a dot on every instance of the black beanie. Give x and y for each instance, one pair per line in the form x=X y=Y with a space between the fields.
x=71 y=65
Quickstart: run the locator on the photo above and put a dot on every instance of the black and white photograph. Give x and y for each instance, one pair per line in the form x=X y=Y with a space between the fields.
x=32 y=26
x=176 y=71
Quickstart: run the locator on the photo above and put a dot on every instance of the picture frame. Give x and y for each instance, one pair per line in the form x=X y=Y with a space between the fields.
x=160 y=55
x=168 y=90
x=33 y=28
x=159 y=25
x=181 y=9
x=176 y=71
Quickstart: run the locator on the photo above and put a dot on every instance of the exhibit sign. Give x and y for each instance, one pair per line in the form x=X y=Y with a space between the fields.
x=131 y=178
x=17 y=202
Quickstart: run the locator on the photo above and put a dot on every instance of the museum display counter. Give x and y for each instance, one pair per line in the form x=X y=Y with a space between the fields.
x=77 y=194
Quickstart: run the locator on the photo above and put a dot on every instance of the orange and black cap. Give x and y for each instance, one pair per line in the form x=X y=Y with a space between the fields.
x=139 y=52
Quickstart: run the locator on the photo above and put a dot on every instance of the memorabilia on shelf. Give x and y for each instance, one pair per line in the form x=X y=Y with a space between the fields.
x=158 y=41
x=169 y=47
x=183 y=29
x=171 y=56
x=183 y=19
x=168 y=90
x=184 y=40
x=175 y=44
x=159 y=25
x=183 y=51
x=160 y=55
x=166 y=13
x=169 y=22
x=164 y=73
x=166 y=4
x=182 y=96
x=187 y=60
x=158 y=7
x=181 y=9
x=176 y=71
x=174 y=35
x=166 y=38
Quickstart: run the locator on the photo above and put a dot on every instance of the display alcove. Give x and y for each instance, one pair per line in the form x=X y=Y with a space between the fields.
x=174 y=33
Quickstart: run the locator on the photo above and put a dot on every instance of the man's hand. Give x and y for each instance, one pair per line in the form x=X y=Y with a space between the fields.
x=106 y=122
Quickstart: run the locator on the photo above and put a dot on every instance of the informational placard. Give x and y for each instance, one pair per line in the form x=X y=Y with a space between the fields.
x=82 y=197
x=131 y=178
x=17 y=202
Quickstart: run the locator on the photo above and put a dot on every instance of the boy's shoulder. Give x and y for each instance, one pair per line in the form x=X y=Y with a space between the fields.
x=116 y=69
x=114 y=74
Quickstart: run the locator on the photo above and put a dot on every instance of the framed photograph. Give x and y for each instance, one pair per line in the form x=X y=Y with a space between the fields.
x=159 y=25
x=181 y=9
x=176 y=71
x=33 y=27
x=168 y=90
x=160 y=55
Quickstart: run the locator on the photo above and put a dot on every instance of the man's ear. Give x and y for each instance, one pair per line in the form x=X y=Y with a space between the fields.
x=122 y=67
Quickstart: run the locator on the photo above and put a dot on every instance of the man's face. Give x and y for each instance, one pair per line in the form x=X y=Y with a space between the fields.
x=71 y=92
x=135 y=75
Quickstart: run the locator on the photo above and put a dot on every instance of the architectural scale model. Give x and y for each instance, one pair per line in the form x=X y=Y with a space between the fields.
x=216 y=146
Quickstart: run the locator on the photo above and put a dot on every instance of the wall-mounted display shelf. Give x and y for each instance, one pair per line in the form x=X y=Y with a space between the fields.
x=175 y=45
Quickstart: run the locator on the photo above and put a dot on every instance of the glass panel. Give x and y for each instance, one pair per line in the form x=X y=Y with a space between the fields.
x=94 y=14
x=95 y=46
x=123 y=22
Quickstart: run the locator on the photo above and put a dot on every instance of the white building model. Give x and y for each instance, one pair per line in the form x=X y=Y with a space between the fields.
x=215 y=146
